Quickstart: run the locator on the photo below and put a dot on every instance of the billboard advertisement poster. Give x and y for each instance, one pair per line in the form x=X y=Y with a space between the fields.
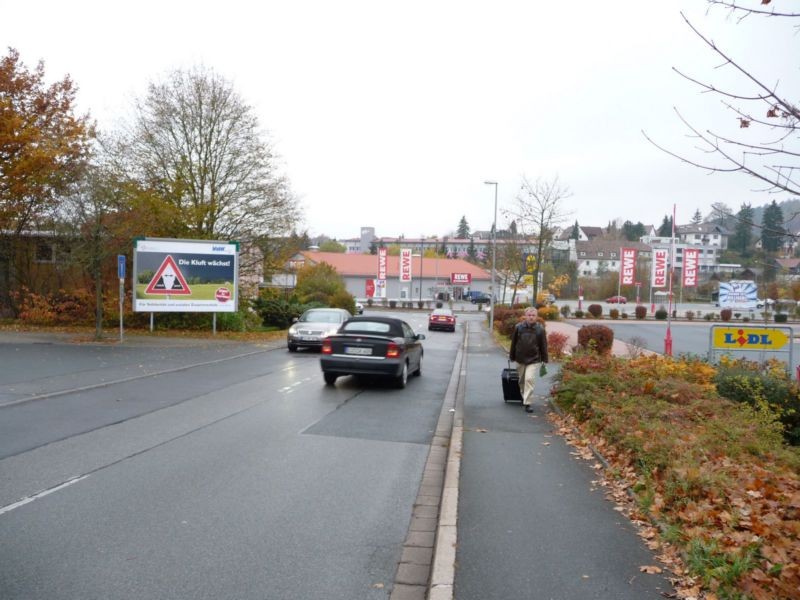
x=738 y=294
x=690 y=264
x=380 y=288
x=405 y=264
x=658 y=277
x=627 y=271
x=185 y=276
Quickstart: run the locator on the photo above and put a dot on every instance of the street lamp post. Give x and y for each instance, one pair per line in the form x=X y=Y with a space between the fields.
x=494 y=258
x=421 y=256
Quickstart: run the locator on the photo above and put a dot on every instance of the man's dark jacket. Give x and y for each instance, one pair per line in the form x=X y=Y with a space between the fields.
x=528 y=344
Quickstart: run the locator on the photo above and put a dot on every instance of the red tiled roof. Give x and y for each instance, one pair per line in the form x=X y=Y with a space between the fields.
x=366 y=265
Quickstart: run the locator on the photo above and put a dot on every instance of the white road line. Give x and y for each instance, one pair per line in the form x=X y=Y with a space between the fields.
x=42 y=494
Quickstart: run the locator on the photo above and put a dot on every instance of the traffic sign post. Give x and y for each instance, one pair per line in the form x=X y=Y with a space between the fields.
x=121 y=275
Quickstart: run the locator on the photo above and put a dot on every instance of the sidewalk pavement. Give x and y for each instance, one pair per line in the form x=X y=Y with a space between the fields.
x=532 y=521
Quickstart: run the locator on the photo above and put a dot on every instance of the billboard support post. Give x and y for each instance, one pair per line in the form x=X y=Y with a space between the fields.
x=213 y=323
x=121 y=275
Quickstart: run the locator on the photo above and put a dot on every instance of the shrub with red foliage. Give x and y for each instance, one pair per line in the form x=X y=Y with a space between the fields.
x=556 y=343
x=595 y=310
x=640 y=311
x=725 y=314
x=596 y=337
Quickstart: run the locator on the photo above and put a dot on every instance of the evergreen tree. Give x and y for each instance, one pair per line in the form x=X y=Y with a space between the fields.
x=471 y=252
x=772 y=232
x=463 y=228
x=632 y=232
x=743 y=232
x=666 y=227
x=697 y=218
x=576 y=232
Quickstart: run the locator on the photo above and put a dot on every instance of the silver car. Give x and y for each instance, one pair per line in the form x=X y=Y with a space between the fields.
x=313 y=326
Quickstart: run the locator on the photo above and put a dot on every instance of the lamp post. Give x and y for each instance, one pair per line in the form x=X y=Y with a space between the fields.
x=494 y=258
x=421 y=256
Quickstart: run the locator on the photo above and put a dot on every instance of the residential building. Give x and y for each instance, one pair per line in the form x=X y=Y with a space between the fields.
x=601 y=256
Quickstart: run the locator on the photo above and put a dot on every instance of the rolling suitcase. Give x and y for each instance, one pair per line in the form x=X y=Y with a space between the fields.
x=510 y=380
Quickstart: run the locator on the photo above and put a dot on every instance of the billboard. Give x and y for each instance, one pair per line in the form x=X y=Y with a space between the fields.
x=739 y=294
x=185 y=276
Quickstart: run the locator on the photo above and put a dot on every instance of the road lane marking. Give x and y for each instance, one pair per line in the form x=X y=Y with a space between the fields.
x=42 y=494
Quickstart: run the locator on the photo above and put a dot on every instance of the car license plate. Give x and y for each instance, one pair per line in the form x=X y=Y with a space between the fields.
x=358 y=351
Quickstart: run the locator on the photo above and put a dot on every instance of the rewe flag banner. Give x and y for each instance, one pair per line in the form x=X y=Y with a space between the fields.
x=405 y=264
x=658 y=276
x=690 y=266
x=627 y=272
x=382 y=264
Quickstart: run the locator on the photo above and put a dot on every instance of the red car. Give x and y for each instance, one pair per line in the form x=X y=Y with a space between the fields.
x=442 y=318
x=617 y=300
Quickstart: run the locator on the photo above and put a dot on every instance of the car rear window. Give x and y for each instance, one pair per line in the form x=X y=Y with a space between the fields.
x=322 y=316
x=367 y=327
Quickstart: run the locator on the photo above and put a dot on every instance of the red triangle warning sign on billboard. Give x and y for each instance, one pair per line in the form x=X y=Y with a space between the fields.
x=168 y=280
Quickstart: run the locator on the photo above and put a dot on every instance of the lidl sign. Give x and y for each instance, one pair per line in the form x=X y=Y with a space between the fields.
x=751 y=338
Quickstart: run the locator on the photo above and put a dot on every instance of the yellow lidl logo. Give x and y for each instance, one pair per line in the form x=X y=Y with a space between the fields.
x=749 y=338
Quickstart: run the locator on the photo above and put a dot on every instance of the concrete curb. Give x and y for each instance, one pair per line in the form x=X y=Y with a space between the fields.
x=443 y=574
x=429 y=548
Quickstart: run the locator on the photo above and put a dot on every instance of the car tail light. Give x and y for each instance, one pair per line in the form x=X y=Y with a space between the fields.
x=326 y=347
x=392 y=350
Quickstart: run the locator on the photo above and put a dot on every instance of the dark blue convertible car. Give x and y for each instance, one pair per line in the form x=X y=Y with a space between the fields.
x=382 y=346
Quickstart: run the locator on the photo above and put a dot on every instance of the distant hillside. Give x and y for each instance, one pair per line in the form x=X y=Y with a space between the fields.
x=791 y=216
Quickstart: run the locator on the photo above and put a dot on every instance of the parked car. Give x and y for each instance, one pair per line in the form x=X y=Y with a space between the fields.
x=760 y=303
x=480 y=298
x=442 y=318
x=617 y=300
x=313 y=326
x=359 y=308
x=382 y=346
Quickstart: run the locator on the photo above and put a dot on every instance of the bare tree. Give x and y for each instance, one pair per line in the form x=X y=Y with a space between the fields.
x=768 y=147
x=540 y=211
x=195 y=141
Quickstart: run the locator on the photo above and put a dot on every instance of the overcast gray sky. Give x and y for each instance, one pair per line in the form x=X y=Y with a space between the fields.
x=393 y=114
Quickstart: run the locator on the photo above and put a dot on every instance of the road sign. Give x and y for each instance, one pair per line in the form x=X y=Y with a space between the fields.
x=750 y=338
x=121 y=266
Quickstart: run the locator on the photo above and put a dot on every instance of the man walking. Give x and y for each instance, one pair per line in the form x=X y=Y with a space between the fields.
x=528 y=347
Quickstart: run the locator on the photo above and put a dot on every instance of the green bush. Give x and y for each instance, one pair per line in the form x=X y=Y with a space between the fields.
x=768 y=388
x=661 y=313
x=595 y=310
x=596 y=337
x=640 y=312
x=565 y=311
x=781 y=317
x=579 y=314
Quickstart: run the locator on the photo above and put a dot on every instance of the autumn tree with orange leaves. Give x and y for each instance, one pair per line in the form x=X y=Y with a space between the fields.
x=44 y=151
